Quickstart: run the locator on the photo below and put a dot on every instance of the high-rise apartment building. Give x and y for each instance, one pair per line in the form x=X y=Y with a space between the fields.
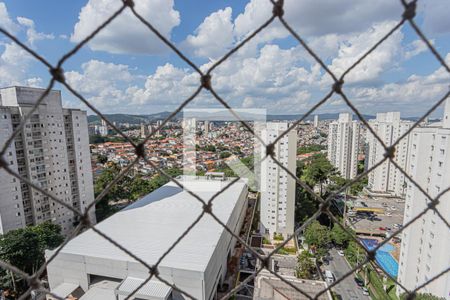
x=52 y=151
x=206 y=127
x=144 y=132
x=277 y=186
x=103 y=129
x=386 y=178
x=316 y=121
x=426 y=242
x=343 y=145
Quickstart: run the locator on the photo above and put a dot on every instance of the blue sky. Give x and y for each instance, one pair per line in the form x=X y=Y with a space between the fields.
x=125 y=69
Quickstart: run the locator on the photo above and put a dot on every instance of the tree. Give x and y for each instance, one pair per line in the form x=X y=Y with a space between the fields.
x=339 y=236
x=358 y=186
x=225 y=154
x=25 y=247
x=102 y=159
x=354 y=252
x=305 y=266
x=305 y=205
x=317 y=237
x=21 y=248
x=49 y=235
x=318 y=171
x=310 y=148
x=422 y=296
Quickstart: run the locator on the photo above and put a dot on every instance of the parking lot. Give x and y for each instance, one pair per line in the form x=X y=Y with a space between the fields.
x=387 y=213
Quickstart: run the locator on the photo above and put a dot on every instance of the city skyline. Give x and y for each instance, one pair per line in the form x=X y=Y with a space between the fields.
x=261 y=149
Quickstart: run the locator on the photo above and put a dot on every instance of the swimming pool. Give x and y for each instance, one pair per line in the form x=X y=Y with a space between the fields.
x=383 y=256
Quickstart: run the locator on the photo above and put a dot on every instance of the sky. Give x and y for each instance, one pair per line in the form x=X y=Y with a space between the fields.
x=127 y=69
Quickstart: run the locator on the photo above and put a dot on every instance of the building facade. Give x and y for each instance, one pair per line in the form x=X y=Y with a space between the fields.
x=148 y=228
x=386 y=178
x=277 y=186
x=343 y=145
x=316 y=121
x=426 y=242
x=52 y=151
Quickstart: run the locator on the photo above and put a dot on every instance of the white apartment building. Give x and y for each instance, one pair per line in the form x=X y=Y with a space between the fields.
x=102 y=129
x=426 y=242
x=52 y=151
x=277 y=186
x=343 y=145
x=387 y=179
x=316 y=121
x=90 y=267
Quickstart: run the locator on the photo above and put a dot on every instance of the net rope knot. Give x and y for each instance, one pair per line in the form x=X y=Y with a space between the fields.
x=154 y=271
x=270 y=150
x=3 y=163
x=206 y=81
x=410 y=11
x=34 y=283
x=390 y=152
x=140 y=150
x=57 y=74
x=266 y=263
x=411 y=296
x=432 y=204
x=337 y=86
x=277 y=9
x=85 y=221
x=371 y=255
x=207 y=207
x=129 y=3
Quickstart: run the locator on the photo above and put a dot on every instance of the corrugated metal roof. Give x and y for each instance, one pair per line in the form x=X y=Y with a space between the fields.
x=150 y=226
x=153 y=288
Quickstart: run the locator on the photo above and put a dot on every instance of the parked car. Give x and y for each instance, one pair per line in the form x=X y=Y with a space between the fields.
x=365 y=291
x=389 y=214
x=359 y=282
x=340 y=252
x=382 y=228
x=329 y=276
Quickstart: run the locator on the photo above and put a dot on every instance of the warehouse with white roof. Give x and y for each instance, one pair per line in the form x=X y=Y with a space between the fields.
x=90 y=267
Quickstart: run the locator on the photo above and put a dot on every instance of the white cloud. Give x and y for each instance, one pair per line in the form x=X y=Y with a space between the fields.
x=100 y=78
x=214 y=36
x=413 y=96
x=126 y=34
x=415 y=48
x=272 y=80
x=14 y=65
x=32 y=34
x=310 y=19
x=383 y=58
x=5 y=20
x=168 y=85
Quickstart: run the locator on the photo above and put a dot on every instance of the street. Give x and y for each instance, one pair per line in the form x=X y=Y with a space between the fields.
x=347 y=289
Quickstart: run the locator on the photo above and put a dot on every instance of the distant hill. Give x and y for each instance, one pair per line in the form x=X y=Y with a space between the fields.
x=138 y=119
x=132 y=119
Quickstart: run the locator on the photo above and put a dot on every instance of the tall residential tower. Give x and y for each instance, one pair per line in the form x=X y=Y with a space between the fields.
x=52 y=151
x=343 y=145
x=426 y=242
x=386 y=178
x=277 y=186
